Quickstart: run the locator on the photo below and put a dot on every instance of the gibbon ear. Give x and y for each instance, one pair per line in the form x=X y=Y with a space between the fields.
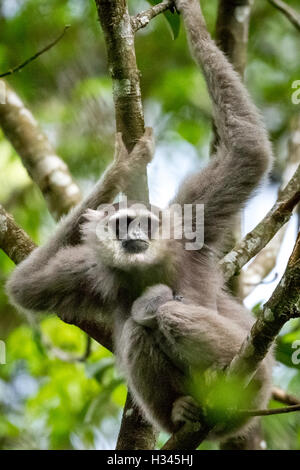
x=91 y=215
x=90 y=219
x=89 y=222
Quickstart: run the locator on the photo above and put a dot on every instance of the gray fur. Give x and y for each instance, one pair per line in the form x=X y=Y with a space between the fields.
x=158 y=339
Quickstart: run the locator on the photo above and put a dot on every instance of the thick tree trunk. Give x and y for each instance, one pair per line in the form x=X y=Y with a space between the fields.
x=115 y=20
x=116 y=24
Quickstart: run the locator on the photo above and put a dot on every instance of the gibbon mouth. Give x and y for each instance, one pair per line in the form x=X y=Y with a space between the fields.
x=135 y=246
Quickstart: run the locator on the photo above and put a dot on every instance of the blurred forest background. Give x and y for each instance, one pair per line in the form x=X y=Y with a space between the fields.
x=48 y=400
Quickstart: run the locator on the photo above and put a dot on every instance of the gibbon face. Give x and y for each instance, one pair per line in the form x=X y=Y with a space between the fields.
x=125 y=238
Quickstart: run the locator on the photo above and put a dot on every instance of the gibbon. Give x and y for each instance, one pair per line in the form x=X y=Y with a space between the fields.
x=169 y=309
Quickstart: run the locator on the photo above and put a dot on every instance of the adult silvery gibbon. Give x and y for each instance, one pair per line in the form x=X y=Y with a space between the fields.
x=170 y=312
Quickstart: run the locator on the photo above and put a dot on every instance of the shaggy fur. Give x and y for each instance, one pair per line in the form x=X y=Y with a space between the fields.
x=159 y=336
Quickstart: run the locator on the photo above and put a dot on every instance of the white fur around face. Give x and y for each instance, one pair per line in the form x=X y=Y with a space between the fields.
x=99 y=235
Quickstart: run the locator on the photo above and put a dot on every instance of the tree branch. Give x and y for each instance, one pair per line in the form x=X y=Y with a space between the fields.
x=283 y=305
x=284 y=397
x=36 y=55
x=258 y=238
x=262 y=265
x=119 y=38
x=288 y=11
x=271 y=412
x=46 y=169
x=232 y=31
x=142 y=19
x=14 y=241
x=265 y=261
x=135 y=433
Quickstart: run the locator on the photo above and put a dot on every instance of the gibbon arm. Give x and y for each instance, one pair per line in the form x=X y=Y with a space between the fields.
x=115 y=179
x=56 y=275
x=63 y=284
x=244 y=154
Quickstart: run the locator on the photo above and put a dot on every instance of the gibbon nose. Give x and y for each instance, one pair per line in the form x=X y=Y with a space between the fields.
x=135 y=246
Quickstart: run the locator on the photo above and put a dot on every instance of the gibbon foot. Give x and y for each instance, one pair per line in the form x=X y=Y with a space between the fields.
x=185 y=409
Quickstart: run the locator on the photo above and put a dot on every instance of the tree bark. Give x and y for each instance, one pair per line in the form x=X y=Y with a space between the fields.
x=119 y=37
x=44 y=166
x=283 y=305
x=288 y=11
x=14 y=241
x=141 y=20
x=258 y=238
x=232 y=31
x=266 y=259
x=135 y=432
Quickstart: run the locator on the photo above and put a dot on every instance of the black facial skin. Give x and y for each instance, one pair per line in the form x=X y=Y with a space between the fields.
x=135 y=246
x=136 y=233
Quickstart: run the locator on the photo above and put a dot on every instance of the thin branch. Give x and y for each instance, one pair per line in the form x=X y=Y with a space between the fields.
x=284 y=397
x=271 y=412
x=44 y=166
x=288 y=11
x=36 y=55
x=258 y=238
x=142 y=19
x=262 y=265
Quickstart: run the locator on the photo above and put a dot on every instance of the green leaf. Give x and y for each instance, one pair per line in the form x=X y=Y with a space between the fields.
x=173 y=20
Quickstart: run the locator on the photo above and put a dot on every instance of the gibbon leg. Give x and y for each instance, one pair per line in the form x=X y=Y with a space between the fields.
x=153 y=379
x=196 y=339
x=200 y=337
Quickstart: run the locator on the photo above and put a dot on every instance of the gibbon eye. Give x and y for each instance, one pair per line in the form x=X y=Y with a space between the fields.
x=152 y=226
x=122 y=224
